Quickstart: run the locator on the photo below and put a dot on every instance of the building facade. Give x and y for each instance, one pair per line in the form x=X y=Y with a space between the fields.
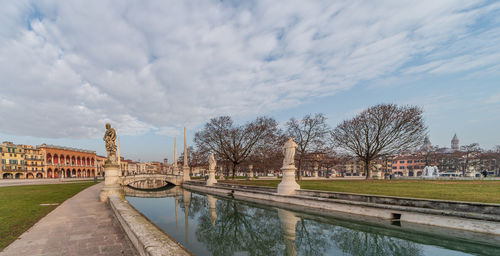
x=12 y=161
x=69 y=162
x=34 y=161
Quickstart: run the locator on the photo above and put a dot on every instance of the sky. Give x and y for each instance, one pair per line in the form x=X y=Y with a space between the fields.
x=151 y=68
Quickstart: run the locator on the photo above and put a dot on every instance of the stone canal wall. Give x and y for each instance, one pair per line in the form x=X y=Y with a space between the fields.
x=147 y=238
x=476 y=217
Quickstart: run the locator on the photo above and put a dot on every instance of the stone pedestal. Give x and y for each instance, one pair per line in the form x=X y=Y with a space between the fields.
x=111 y=182
x=315 y=173
x=185 y=173
x=288 y=184
x=250 y=175
x=211 y=177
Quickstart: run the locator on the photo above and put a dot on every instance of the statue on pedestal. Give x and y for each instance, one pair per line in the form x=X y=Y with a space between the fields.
x=288 y=184
x=110 y=139
x=211 y=162
x=211 y=170
x=289 y=152
x=111 y=167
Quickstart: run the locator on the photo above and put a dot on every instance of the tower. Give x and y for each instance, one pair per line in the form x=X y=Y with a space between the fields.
x=427 y=146
x=454 y=143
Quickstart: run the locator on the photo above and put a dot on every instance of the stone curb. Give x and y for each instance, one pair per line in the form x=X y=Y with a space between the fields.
x=147 y=238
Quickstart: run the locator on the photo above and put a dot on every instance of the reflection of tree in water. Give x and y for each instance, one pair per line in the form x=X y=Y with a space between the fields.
x=363 y=243
x=238 y=228
x=311 y=238
x=246 y=228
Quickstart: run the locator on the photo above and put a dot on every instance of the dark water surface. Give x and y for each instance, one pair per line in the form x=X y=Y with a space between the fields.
x=212 y=225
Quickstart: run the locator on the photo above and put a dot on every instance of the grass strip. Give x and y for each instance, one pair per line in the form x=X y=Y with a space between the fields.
x=484 y=191
x=20 y=206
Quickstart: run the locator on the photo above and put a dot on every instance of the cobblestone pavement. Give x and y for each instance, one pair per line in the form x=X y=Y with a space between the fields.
x=80 y=226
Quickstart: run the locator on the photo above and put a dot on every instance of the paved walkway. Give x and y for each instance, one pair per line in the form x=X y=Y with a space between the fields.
x=80 y=226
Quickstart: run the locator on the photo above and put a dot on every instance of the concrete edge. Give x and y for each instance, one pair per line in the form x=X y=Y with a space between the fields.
x=407 y=214
x=146 y=237
x=223 y=184
x=298 y=196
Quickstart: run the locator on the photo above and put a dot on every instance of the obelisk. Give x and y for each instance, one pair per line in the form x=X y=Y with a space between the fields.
x=175 y=156
x=185 y=168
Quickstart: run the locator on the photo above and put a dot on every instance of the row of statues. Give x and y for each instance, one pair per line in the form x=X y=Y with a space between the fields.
x=110 y=140
x=288 y=184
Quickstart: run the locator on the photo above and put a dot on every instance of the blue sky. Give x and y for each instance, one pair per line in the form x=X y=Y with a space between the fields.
x=151 y=68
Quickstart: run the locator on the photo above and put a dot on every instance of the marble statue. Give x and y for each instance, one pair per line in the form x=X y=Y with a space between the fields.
x=211 y=170
x=110 y=139
x=430 y=172
x=288 y=185
x=211 y=162
x=112 y=170
x=289 y=152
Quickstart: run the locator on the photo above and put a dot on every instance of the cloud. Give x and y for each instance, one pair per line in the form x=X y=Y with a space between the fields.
x=66 y=68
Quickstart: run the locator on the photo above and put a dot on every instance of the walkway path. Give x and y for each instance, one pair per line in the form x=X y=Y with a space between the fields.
x=80 y=226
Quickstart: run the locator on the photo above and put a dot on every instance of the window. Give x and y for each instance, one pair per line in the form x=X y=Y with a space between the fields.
x=409 y=161
x=402 y=161
x=401 y=167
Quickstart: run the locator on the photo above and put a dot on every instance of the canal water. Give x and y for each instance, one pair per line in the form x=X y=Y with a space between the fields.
x=213 y=225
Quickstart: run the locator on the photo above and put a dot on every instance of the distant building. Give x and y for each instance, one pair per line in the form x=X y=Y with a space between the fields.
x=455 y=143
x=12 y=161
x=69 y=162
x=34 y=161
x=100 y=165
x=427 y=146
x=408 y=165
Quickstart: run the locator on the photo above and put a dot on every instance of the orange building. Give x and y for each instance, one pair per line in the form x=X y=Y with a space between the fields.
x=408 y=165
x=68 y=162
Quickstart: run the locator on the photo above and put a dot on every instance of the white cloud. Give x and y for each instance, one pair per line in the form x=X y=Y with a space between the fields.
x=69 y=67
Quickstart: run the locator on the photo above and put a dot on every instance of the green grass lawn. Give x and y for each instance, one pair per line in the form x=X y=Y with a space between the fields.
x=20 y=206
x=487 y=191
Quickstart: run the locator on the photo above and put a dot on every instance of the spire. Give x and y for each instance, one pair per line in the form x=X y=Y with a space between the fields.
x=185 y=150
x=185 y=168
x=175 y=152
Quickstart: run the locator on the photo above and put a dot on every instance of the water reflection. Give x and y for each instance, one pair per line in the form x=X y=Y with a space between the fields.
x=221 y=226
x=288 y=222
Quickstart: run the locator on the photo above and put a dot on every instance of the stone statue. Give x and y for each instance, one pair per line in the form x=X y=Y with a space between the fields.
x=211 y=162
x=211 y=170
x=289 y=152
x=110 y=139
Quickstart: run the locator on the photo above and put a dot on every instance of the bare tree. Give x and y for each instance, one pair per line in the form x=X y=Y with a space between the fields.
x=309 y=134
x=468 y=152
x=235 y=143
x=379 y=131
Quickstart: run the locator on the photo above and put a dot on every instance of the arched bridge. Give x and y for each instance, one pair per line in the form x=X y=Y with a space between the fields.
x=150 y=180
x=171 y=192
